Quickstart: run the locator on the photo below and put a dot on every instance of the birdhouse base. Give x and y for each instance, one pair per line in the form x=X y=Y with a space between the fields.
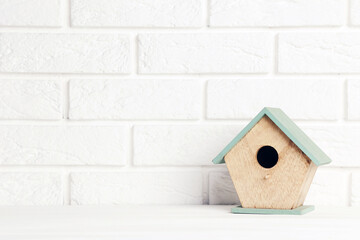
x=296 y=211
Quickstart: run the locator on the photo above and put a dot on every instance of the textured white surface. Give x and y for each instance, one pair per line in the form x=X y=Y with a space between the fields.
x=204 y=53
x=180 y=145
x=137 y=13
x=319 y=52
x=221 y=189
x=67 y=145
x=353 y=101
x=173 y=222
x=164 y=85
x=329 y=188
x=30 y=13
x=30 y=188
x=140 y=187
x=30 y=99
x=355 y=189
x=244 y=98
x=355 y=12
x=57 y=53
x=135 y=99
x=277 y=13
x=341 y=144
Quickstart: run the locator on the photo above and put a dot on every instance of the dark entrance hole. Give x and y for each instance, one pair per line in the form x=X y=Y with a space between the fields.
x=267 y=156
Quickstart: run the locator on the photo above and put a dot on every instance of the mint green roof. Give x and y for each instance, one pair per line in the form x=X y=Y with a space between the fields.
x=289 y=128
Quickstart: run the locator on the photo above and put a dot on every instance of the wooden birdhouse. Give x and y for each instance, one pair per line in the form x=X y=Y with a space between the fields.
x=272 y=163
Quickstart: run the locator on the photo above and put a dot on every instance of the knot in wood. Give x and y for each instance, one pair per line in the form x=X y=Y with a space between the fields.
x=267 y=176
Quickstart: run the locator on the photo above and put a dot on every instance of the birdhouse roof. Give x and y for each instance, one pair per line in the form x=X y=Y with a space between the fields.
x=289 y=128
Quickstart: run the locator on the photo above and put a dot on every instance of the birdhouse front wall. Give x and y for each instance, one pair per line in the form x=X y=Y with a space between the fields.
x=268 y=170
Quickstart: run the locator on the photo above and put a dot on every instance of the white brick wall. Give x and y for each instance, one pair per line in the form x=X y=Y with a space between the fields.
x=221 y=189
x=354 y=12
x=275 y=13
x=205 y=53
x=128 y=101
x=339 y=142
x=63 y=145
x=64 y=53
x=135 y=99
x=319 y=52
x=355 y=190
x=31 y=188
x=136 y=13
x=30 y=13
x=242 y=98
x=333 y=185
x=353 y=101
x=30 y=99
x=180 y=145
x=136 y=188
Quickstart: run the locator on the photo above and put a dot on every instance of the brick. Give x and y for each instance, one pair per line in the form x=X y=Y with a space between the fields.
x=30 y=188
x=319 y=53
x=329 y=188
x=340 y=143
x=355 y=189
x=30 y=13
x=264 y=13
x=135 y=99
x=355 y=12
x=64 y=53
x=221 y=189
x=30 y=99
x=353 y=101
x=205 y=53
x=63 y=145
x=139 y=187
x=243 y=99
x=136 y=13
x=180 y=145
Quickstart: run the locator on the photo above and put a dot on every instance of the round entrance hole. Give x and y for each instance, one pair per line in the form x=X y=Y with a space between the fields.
x=267 y=157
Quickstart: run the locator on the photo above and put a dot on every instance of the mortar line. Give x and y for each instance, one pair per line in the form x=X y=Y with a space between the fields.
x=348 y=13
x=65 y=100
x=206 y=12
x=65 y=10
x=131 y=159
x=345 y=114
x=134 y=55
x=66 y=187
x=350 y=190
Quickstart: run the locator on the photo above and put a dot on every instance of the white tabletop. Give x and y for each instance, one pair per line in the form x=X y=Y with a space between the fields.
x=173 y=222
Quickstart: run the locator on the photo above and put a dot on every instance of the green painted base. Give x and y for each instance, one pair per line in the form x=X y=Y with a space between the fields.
x=296 y=211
